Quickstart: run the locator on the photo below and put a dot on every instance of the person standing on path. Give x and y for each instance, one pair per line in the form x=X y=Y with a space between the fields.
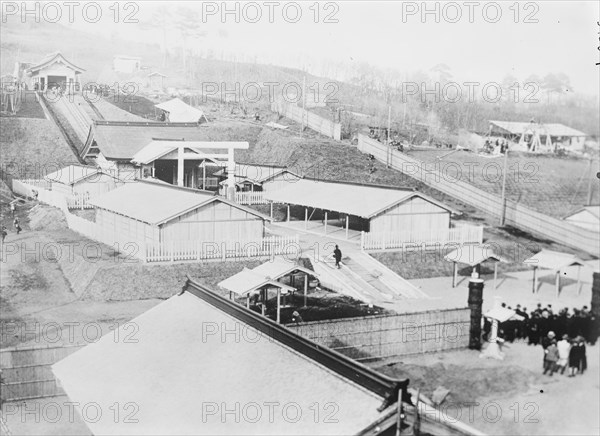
x=550 y=358
x=337 y=254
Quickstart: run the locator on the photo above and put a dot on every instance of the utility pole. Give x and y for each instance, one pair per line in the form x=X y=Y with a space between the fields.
x=303 y=102
x=388 y=136
x=590 y=179
x=503 y=201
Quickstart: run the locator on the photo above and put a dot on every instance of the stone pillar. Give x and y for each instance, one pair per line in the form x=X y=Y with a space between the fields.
x=595 y=306
x=475 y=304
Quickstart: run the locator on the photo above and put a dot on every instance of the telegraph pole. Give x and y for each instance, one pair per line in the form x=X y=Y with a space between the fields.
x=590 y=179
x=388 y=136
x=503 y=201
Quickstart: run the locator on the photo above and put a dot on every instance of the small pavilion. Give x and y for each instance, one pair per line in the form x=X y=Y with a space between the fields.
x=267 y=277
x=557 y=262
x=474 y=256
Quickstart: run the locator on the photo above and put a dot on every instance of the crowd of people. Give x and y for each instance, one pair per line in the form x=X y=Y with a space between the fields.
x=563 y=335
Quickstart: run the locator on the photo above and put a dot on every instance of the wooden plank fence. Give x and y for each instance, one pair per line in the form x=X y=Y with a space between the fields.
x=457 y=235
x=250 y=197
x=26 y=372
x=516 y=214
x=312 y=120
x=383 y=336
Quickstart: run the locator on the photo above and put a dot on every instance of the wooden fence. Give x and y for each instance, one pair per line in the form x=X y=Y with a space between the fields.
x=250 y=198
x=171 y=251
x=312 y=120
x=383 y=336
x=26 y=187
x=457 y=235
x=26 y=372
x=516 y=214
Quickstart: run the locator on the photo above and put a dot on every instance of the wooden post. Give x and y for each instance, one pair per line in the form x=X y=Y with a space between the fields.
x=578 y=281
x=557 y=283
x=288 y=213
x=247 y=301
x=278 y=305
x=347 y=221
x=271 y=210
x=306 y=217
x=495 y=275
x=264 y=301
x=231 y=295
x=204 y=174
x=534 y=279
x=454 y=274
x=305 y=288
x=503 y=200
x=325 y=222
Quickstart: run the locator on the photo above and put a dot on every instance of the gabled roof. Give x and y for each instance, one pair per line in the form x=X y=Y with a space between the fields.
x=266 y=274
x=72 y=174
x=53 y=58
x=344 y=197
x=121 y=140
x=473 y=255
x=186 y=356
x=247 y=281
x=553 y=129
x=156 y=73
x=158 y=203
x=180 y=111
x=554 y=260
x=594 y=210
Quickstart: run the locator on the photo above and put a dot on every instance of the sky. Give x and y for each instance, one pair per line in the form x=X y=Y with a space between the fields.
x=482 y=42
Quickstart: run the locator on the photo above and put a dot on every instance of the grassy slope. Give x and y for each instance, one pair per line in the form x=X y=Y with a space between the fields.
x=549 y=184
x=30 y=148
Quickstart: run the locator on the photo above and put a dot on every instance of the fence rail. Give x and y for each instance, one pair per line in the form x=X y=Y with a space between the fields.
x=26 y=187
x=456 y=235
x=171 y=251
x=250 y=198
x=312 y=120
x=516 y=214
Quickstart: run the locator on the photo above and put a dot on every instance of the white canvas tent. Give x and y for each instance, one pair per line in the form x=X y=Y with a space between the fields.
x=180 y=112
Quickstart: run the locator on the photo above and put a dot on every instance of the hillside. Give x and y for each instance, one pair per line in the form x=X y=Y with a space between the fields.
x=31 y=148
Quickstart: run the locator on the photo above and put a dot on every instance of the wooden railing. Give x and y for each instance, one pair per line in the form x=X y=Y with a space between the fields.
x=250 y=198
x=389 y=241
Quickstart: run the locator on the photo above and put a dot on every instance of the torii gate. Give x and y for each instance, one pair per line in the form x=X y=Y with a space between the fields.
x=157 y=149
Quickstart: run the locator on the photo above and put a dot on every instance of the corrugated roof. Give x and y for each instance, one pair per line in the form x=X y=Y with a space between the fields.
x=185 y=355
x=473 y=255
x=594 y=210
x=157 y=203
x=72 y=174
x=353 y=199
x=553 y=129
x=180 y=111
x=553 y=260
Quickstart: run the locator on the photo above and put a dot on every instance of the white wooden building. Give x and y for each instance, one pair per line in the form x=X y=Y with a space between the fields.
x=78 y=180
x=127 y=64
x=587 y=217
x=367 y=208
x=54 y=71
x=258 y=178
x=146 y=212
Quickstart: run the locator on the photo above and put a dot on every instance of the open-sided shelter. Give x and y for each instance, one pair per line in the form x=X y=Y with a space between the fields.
x=176 y=111
x=369 y=208
x=474 y=256
x=555 y=261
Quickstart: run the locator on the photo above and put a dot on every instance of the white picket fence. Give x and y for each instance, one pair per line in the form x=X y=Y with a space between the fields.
x=388 y=241
x=26 y=187
x=171 y=251
x=250 y=198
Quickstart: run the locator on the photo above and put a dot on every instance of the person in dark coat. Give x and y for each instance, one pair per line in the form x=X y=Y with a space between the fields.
x=582 y=355
x=337 y=254
x=574 y=358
